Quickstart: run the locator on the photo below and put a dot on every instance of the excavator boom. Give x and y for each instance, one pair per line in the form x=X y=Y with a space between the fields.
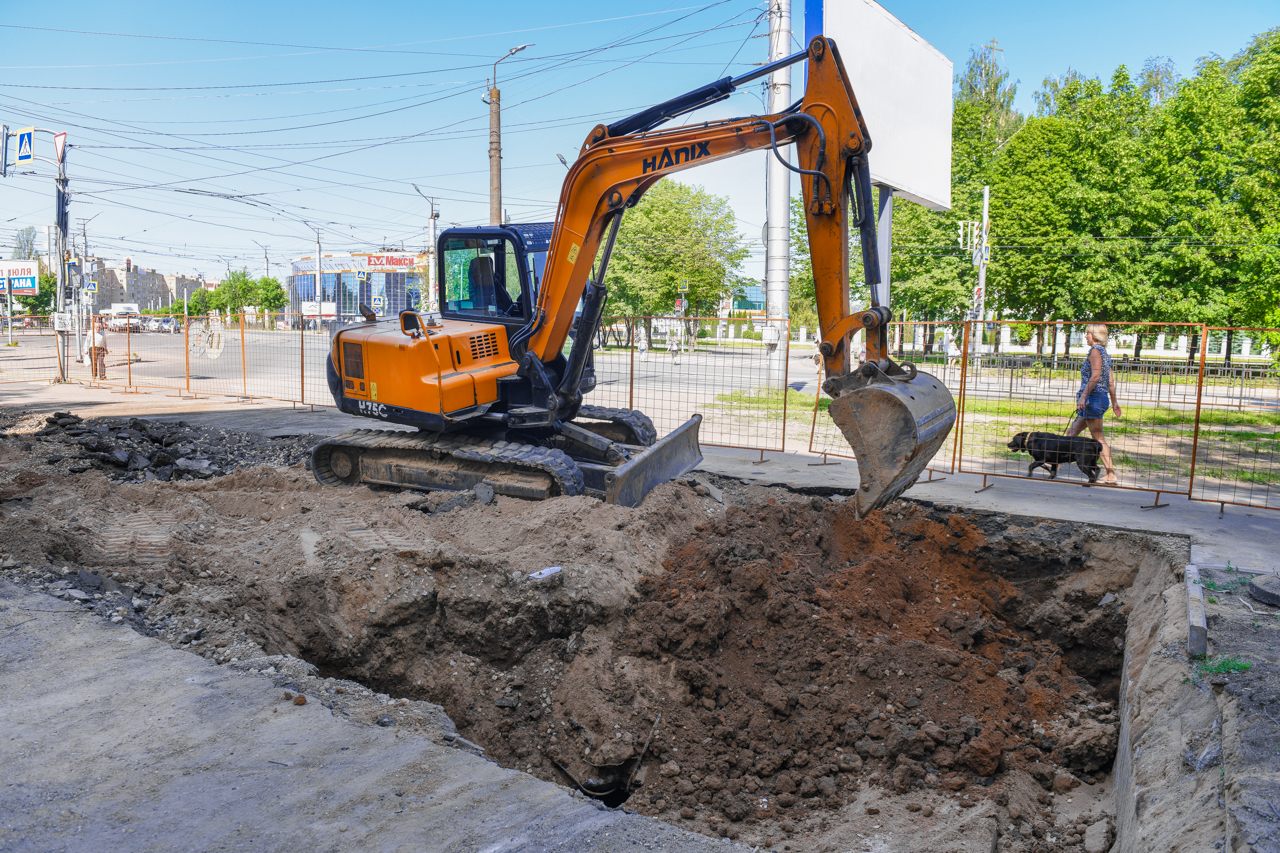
x=894 y=417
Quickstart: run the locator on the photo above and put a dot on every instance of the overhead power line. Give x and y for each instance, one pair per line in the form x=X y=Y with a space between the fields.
x=373 y=49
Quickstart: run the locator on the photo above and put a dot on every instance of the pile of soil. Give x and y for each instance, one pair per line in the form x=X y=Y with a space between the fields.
x=756 y=668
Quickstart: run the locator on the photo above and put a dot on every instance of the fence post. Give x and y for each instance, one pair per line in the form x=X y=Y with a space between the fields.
x=302 y=360
x=813 y=425
x=956 y=455
x=786 y=365
x=244 y=374
x=631 y=380
x=1195 y=441
x=128 y=352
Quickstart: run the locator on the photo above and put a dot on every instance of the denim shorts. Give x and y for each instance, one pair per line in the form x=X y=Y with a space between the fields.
x=1095 y=405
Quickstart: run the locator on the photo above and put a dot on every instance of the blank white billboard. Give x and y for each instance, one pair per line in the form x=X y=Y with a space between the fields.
x=903 y=85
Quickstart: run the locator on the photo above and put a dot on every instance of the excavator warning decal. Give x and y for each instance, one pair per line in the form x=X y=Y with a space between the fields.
x=688 y=153
x=573 y=252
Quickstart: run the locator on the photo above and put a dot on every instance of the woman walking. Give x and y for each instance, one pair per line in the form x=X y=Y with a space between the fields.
x=1097 y=394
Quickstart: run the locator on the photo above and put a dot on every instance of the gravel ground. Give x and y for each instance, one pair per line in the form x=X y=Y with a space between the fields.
x=132 y=449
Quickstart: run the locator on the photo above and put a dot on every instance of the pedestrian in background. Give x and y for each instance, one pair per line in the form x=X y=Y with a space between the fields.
x=98 y=350
x=1097 y=394
x=952 y=348
x=673 y=346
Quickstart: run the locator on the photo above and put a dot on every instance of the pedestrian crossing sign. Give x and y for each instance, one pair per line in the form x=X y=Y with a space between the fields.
x=378 y=303
x=90 y=287
x=362 y=277
x=684 y=285
x=26 y=145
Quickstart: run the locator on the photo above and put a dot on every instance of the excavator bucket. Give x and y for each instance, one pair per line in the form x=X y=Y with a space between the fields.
x=895 y=424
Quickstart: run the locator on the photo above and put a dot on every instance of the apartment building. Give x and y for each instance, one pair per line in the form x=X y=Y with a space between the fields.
x=124 y=282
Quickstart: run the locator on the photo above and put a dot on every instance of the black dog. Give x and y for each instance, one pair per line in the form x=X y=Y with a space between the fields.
x=1049 y=451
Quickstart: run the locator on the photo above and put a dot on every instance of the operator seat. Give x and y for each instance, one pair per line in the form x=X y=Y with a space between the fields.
x=480 y=282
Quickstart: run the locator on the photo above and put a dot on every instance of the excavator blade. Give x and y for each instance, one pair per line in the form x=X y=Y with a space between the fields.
x=674 y=455
x=894 y=427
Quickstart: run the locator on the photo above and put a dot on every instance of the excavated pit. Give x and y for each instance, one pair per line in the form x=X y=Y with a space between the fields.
x=767 y=669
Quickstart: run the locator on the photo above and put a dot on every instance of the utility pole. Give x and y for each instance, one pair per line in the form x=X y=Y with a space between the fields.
x=433 y=302
x=777 y=264
x=982 y=257
x=319 y=279
x=266 y=263
x=975 y=237
x=495 y=142
x=84 y=243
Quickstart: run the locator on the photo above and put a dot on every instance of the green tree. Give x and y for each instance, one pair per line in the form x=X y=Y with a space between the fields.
x=1049 y=96
x=24 y=244
x=45 y=298
x=984 y=84
x=235 y=292
x=199 y=303
x=268 y=294
x=678 y=232
x=1159 y=80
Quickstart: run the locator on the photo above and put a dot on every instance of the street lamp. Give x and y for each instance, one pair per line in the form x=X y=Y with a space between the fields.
x=495 y=142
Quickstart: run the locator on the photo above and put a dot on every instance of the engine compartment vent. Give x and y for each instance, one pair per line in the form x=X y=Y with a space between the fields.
x=484 y=345
x=353 y=360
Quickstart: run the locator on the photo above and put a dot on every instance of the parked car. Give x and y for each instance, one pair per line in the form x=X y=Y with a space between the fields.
x=124 y=322
x=152 y=324
x=170 y=325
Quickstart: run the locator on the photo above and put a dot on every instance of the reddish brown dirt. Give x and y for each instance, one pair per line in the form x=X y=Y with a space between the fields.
x=813 y=647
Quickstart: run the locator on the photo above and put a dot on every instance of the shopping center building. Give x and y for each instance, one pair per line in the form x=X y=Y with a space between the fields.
x=387 y=282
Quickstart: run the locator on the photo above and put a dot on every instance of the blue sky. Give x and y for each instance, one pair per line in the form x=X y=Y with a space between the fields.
x=233 y=125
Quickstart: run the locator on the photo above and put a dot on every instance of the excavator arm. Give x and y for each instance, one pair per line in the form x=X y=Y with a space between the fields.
x=893 y=416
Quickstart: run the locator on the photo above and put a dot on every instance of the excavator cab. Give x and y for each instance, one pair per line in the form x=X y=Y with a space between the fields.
x=484 y=278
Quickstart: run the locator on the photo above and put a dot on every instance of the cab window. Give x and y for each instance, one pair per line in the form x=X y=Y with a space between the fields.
x=482 y=278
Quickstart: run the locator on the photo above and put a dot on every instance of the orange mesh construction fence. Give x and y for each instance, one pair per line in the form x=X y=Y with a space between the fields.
x=1201 y=405
x=33 y=355
x=1025 y=378
x=733 y=372
x=1237 y=433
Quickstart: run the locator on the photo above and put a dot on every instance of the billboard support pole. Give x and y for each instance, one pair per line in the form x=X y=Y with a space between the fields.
x=777 y=265
x=884 y=239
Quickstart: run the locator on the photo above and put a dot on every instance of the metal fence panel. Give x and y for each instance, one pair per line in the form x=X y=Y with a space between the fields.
x=143 y=357
x=34 y=355
x=1015 y=389
x=731 y=371
x=1237 y=458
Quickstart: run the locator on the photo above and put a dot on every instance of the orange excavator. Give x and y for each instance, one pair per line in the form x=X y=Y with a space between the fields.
x=485 y=379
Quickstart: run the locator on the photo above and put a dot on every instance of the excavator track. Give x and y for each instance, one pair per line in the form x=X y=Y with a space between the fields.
x=449 y=462
x=642 y=429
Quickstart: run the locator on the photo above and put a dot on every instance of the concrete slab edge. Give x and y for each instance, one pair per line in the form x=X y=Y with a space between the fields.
x=1238 y=569
x=1197 y=628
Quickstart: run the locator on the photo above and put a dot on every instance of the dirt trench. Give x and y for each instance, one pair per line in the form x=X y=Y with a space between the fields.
x=767 y=669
